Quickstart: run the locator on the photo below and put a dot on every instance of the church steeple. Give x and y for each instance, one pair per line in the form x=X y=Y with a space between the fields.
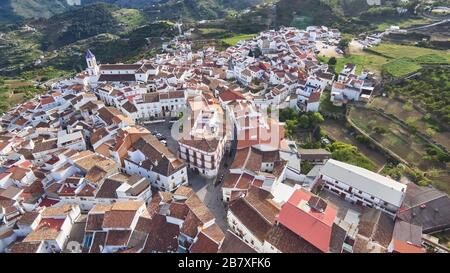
x=92 y=69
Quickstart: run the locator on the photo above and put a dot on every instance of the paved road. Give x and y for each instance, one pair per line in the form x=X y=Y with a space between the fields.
x=430 y=25
x=211 y=196
x=210 y=192
x=164 y=129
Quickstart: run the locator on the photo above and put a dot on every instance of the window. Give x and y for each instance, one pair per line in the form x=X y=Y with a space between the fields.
x=360 y=192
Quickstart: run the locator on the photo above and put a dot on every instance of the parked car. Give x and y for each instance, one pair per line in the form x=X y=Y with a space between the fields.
x=164 y=142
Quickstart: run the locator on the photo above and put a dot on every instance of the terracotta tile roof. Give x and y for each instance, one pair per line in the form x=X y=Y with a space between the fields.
x=42 y=235
x=130 y=107
x=98 y=242
x=56 y=211
x=376 y=225
x=199 y=209
x=230 y=95
x=127 y=205
x=191 y=225
x=167 y=163
x=118 y=219
x=166 y=239
x=287 y=241
x=184 y=191
x=233 y=244
x=28 y=218
x=108 y=189
x=204 y=244
x=214 y=232
x=25 y=247
x=404 y=247
x=118 y=237
x=207 y=145
x=178 y=210
x=94 y=222
x=87 y=190
x=250 y=218
x=117 y=78
x=143 y=224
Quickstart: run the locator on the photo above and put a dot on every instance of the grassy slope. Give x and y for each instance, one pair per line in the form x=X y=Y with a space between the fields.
x=404 y=143
x=38 y=8
x=396 y=60
x=236 y=38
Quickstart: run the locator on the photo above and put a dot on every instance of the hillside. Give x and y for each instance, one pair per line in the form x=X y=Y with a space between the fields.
x=59 y=41
x=198 y=9
x=138 y=4
x=82 y=23
x=14 y=10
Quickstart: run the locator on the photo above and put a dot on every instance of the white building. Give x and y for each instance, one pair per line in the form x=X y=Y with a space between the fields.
x=362 y=186
x=151 y=159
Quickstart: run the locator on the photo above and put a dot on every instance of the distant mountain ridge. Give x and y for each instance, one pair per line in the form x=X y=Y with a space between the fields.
x=12 y=11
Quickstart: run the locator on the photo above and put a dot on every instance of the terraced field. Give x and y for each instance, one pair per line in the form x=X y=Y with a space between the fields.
x=403 y=143
x=407 y=113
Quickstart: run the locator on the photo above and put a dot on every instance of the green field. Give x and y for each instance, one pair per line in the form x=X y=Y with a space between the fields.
x=404 y=143
x=370 y=61
x=399 y=140
x=402 y=23
x=336 y=130
x=401 y=67
x=393 y=59
x=410 y=115
x=235 y=39
x=17 y=90
x=212 y=31
x=129 y=18
x=395 y=51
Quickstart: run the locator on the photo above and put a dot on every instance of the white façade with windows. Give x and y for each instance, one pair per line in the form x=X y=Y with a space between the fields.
x=362 y=186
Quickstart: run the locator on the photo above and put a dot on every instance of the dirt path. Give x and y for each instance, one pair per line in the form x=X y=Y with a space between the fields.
x=356 y=48
x=327 y=50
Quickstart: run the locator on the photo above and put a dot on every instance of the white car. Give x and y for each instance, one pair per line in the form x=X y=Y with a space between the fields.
x=164 y=142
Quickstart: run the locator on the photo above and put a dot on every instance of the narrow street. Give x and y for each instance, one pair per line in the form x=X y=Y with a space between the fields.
x=211 y=196
x=205 y=188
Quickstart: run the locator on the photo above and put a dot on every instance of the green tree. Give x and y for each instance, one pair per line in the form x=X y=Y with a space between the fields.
x=332 y=61
x=304 y=122
x=344 y=43
x=291 y=126
x=316 y=118
x=380 y=130
x=347 y=153
x=287 y=114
